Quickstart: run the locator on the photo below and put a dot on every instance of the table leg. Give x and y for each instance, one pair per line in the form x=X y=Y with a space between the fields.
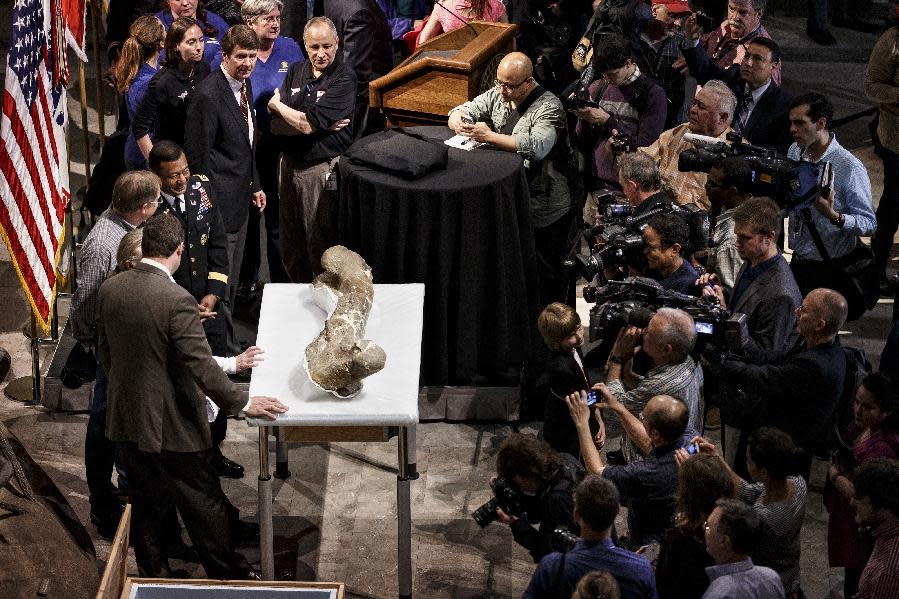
x=407 y=473
x=282 y=469
x=266 y=538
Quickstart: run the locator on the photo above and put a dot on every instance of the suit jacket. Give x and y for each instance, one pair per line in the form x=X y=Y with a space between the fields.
x=153 y=346
x=768 y=124
x=364 y=37
x=217 y=146
x=564 y=377
x=204 y=265
x=770 y=303
x=797 y=391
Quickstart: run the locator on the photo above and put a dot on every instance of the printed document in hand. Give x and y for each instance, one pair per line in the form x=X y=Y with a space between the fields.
x=463 y=143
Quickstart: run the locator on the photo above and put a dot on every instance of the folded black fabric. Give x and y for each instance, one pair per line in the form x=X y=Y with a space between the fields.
x=399 y=152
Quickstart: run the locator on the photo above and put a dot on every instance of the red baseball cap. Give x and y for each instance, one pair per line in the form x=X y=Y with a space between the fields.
x=676 y=7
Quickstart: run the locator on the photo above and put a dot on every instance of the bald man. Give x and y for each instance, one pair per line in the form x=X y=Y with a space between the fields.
x=530 y=121
x=797 y=391
x=646 y=486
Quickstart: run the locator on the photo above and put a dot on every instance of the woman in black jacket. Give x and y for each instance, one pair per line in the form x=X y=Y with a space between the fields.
x=163 y=112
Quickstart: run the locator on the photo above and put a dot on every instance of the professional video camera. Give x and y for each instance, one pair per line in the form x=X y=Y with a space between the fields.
x=505 y=497
x=621 y=233
x=792 y=184
x=633 y=301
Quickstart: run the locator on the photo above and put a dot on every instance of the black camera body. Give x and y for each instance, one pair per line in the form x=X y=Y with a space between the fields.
x=792 y=184
x=621 y=143
x=621 y=234
x=563 y=540
x=505 y=497
x=633 y=302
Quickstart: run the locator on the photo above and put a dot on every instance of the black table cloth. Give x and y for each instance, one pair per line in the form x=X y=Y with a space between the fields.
x=465 y=233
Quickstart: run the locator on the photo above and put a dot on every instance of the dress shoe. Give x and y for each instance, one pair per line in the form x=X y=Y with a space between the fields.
x=822 y=37
x=107 y=521
x=226 y=467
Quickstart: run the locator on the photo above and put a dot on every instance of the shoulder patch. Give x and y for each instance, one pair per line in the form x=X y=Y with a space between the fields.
x=202 y=177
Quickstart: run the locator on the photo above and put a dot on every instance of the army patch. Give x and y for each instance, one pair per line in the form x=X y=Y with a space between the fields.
x=196 y=185
x=202 y=177
x=205 y=203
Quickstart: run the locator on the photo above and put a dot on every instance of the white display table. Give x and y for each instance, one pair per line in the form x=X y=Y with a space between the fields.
x=387 y=405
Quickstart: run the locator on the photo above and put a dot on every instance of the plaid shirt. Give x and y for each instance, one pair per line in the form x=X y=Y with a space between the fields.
x=682 y=380
x=96 y=259
x=724 y=260
x=690 y=187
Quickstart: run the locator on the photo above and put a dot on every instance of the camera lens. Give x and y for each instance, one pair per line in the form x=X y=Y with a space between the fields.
x=486 y=514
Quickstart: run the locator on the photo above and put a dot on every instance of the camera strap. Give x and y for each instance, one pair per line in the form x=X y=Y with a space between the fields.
x=558 y=581
x=816 y=236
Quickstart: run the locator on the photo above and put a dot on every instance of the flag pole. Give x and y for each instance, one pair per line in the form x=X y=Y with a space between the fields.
x=101 y=107
x=84 y=126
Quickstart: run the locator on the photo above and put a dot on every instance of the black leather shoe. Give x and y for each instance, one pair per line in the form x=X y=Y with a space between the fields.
x=107 y=521
x=226 y=467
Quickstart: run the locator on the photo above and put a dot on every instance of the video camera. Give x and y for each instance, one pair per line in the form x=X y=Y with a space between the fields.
x=633 y=301
x=792 y=184
x=621 y=233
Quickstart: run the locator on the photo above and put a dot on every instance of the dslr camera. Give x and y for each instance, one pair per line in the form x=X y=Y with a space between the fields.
x=792 y=184
x=505 y=497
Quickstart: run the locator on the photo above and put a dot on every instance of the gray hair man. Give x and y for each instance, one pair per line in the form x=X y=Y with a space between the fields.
x=668 y=339
x=710 y=115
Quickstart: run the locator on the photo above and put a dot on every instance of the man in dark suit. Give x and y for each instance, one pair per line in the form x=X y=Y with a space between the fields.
x=367 y=49
x=160 y=367
x=797 y=390
x=220 y=141
x=766 y=292
x=762 y=105
x=204 y=269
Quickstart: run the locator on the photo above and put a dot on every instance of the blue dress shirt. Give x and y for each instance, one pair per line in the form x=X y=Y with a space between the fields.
x=743 y=580
x=633 y=572
x=852 y=199
x=133 y=97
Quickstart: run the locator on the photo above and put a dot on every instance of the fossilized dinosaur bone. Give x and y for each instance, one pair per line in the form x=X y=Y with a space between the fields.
x=338 y=358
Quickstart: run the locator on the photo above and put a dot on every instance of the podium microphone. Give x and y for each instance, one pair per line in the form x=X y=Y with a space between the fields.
x=466 y=23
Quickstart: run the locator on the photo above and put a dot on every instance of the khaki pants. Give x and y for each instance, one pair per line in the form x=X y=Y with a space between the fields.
x=308 y=217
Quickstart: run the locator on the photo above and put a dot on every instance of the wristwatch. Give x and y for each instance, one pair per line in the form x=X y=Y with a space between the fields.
x=839 y=220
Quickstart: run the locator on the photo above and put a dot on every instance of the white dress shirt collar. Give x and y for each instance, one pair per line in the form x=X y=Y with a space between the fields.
x=161 y=267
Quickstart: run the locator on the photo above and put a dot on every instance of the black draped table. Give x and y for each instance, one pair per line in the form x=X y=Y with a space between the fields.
x=465 y=233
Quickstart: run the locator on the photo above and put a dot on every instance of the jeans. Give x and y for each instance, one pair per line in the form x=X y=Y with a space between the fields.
x=100 y=454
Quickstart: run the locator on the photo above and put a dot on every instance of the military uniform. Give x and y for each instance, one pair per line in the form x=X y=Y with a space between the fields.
x=204 y=264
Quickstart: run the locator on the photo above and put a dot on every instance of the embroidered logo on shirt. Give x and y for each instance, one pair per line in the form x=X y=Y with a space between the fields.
x=283 y=68
x=295 y=90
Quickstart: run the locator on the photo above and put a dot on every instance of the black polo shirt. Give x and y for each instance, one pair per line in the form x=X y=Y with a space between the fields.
x=325 y=100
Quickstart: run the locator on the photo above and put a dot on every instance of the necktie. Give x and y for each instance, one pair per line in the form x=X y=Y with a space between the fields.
x=743 y=115
x=244 y=106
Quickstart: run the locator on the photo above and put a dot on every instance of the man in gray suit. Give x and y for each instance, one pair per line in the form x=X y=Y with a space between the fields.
x=160 y=367
x=765 y=291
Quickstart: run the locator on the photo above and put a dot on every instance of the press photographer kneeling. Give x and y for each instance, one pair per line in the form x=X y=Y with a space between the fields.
x=534 y=485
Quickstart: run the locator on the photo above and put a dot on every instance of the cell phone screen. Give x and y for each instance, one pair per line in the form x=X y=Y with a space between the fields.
x=591 y=398
x=693 y=448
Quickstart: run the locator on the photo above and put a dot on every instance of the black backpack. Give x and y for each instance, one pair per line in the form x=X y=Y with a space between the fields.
x=857 y=368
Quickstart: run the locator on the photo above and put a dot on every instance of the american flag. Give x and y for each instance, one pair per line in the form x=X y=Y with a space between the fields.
x=33 y=180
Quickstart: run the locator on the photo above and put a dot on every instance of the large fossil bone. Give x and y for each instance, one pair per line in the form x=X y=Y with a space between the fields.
x=338 y=358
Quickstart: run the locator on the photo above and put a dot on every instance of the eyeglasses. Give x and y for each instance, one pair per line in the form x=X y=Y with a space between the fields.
x=155 y=202
x=270 y=19
x=509 y=86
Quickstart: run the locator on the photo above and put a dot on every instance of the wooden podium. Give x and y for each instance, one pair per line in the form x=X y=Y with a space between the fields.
x=450 y=69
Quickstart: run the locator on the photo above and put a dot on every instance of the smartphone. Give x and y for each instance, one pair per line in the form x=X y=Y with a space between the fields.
x=591 y=398
x=466 y=119
x=693 y=448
